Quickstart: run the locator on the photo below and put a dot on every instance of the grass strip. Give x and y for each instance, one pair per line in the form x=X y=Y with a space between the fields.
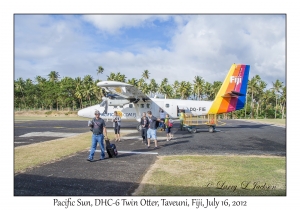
x=33 y=155
x=215 y=176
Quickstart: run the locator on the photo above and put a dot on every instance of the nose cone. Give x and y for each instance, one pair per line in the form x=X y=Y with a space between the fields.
x=89 y=112
x=86 y=112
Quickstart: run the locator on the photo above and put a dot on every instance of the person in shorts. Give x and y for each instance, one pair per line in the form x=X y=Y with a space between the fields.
x=168 y=124
x=151 y=133
x=117 y=125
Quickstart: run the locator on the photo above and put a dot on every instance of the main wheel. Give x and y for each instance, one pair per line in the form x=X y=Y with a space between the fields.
x=211 y=129
x=194 y=130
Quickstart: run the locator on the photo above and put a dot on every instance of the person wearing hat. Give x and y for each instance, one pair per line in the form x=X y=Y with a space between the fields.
x=98 y=128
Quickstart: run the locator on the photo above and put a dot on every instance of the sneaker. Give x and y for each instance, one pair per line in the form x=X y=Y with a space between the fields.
x=91 y=160
x=101 y=158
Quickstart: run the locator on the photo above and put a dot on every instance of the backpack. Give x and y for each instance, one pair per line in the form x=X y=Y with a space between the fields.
x=170 y=123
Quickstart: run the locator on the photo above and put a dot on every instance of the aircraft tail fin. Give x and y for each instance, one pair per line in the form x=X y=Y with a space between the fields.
x=232 y=94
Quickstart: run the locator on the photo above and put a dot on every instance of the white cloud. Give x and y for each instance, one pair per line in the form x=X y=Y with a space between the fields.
x=113 y=23
x=204 y=45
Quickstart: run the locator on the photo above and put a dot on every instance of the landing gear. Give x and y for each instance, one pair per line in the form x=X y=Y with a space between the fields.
x=211 y=129
x=194 y=130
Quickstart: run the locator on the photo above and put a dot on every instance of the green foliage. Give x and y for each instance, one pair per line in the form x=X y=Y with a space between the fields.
x=55 y=93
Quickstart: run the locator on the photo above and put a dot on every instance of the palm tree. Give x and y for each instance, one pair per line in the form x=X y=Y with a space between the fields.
x=215 y=89
x=198 y=86
x=283 y=101
x=78 y=89
x=276 y=88
x=153 y=86
x=53 y=76
x=133 y=82
x=145 y=74
x=266 y=99
x=168 y=91
x=100 y=70
x=260 y=90
x=253 y=88
x=207 y=90
x=87 y=87
x=98 y=92
x=176 y=85
x=121 y=77
x=185 y=89
x=140 y=83
x=162 y=87
x=19 y=85
x=117 y=77
x=111 y=77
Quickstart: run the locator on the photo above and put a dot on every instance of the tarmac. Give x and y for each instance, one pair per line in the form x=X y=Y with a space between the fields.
x=74 y=176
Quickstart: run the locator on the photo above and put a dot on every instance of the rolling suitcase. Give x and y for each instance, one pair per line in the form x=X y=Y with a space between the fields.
x=111 y=149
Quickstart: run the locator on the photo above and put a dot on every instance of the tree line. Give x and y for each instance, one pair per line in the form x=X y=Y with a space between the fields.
x=73 y=94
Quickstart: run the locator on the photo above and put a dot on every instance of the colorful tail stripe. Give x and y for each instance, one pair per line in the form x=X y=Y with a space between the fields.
x=232 y=94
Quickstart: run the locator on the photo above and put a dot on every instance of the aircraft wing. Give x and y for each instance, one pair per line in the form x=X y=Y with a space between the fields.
x=124 y=90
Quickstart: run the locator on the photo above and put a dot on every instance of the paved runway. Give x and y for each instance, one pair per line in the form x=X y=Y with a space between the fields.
x=120 y=176
x=28 y=132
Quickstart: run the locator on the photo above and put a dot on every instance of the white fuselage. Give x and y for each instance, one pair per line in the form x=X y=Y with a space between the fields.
x=134 y=111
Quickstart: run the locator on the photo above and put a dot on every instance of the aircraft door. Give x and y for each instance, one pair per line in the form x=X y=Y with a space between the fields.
x=156 y=106
x=171 y=109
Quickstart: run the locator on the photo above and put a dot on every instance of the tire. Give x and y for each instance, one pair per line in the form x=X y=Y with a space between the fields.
x=194 y=130
x=211 y=129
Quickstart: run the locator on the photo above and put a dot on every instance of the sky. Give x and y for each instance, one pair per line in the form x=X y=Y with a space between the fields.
x=174 y=46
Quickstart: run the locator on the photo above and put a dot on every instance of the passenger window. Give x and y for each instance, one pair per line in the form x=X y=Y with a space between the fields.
x=130 y=105
x=115 y=107
x=167 y=105
x=148 y=106
x=142 y=105
x=121 y=106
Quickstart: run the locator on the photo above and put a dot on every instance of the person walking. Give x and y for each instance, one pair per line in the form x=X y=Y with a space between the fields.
x=117 y=125
x=98 y=128
x=151 y=133
x=162 y=116
x=169 y=125
x=144 y=127
x=181 y=118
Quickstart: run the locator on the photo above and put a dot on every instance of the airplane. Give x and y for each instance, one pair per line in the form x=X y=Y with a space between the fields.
x=130 y=102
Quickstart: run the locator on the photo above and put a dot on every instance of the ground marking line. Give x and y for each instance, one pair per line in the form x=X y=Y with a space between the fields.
x=133 y=152
x=50 y=134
